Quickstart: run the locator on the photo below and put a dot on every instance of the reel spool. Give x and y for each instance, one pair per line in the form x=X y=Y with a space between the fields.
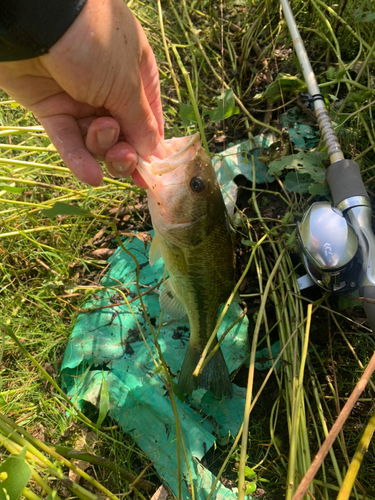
x=330 y=251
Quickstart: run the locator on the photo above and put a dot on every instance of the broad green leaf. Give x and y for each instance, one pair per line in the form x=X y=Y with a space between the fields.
x=2 y=401
x=370 y=16
x=60 y=208
x=237 y=220
x=249 y=473
x=341 y=72
x=250 y=488
x=330 y=73
x=187 y=114
x=317 y=173
x=287 y=218
x=309 y=173
x=11 y=189
x=15 y=474
x=297 y=183
x=103 y=403
x=284 y=85
x=319 y=189
x=225 y=108
x=363 y=16
x=290 y=241
x=357 y=97
x=310 y=163
x=286 y=162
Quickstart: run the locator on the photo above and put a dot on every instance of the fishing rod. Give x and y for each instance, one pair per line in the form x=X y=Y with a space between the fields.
x=337 y=243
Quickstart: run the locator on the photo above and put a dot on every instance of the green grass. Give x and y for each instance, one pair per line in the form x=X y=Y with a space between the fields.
x=48 y=269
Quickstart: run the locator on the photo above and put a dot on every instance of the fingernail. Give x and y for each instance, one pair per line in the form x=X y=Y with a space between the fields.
x=120 y=167
x=106 y=137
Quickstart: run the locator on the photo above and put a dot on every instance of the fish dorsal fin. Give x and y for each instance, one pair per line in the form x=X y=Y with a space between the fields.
x=170 y=303
x=154 y=254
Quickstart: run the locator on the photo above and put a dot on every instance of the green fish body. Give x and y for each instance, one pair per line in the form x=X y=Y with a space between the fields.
x=195 y=239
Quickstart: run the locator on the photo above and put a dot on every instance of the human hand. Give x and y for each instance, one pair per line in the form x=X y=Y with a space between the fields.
x=96 y=92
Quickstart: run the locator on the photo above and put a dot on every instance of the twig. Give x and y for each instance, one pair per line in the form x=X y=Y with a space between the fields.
x=360 y=452
x=109 y=306
x=317 y=462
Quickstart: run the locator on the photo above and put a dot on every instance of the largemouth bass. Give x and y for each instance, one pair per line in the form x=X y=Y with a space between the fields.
x=195 y=239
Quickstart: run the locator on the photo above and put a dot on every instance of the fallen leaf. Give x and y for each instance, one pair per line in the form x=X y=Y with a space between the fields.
x=103 y=253
x=144 y=236
x=98 y=235
x=160 y=494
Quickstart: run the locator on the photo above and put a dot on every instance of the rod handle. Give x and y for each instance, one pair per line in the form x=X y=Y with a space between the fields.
x=345 y=181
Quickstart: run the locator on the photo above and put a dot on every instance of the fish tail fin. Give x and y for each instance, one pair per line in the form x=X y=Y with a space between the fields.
x=214 y=377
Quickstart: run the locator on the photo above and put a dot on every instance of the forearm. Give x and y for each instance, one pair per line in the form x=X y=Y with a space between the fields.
x=29 y=28
x=88 y=73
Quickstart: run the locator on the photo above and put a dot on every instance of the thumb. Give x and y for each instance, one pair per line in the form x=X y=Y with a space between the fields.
x=140 y=116
x=150 y=80
x=139 y=126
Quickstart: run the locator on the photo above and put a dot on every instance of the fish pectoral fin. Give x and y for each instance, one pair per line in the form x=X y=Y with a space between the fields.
x=154 y=254
x=170 y=303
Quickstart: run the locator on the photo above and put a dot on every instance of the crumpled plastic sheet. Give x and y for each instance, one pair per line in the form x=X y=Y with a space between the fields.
x=303 y=135
x=237 y=160
x=106 y=342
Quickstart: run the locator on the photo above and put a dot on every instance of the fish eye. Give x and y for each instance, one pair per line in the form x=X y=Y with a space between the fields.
x=197 y=185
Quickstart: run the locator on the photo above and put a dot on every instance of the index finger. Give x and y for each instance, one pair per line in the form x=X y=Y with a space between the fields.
x=65 y=134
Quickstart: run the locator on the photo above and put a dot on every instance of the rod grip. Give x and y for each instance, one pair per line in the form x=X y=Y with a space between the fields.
x=345 y=181
x=368 y=292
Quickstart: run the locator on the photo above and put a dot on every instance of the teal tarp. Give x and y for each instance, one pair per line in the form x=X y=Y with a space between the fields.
x=106 y=342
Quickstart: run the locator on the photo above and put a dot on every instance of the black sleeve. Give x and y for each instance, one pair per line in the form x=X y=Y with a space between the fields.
x=30 y=28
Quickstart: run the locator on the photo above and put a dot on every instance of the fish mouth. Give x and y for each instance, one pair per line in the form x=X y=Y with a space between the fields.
x=174 y=158
x=179 y=152
x=168 y=164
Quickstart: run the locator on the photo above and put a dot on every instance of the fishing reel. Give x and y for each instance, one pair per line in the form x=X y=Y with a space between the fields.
x=330 y=249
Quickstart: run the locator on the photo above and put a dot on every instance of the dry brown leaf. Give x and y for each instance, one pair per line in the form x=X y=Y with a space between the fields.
x=160 y=494
x=144 y=236
x=98 y=235
x=103 y=253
